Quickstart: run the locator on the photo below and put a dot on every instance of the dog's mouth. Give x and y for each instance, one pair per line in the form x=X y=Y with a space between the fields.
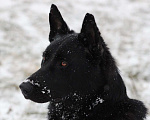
x=34 y=91
x=40 y=94
x=57 y=100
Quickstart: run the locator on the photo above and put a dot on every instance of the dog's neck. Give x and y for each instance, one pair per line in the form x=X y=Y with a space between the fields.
x=73 y=107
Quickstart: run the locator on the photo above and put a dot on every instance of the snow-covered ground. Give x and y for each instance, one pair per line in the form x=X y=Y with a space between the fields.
x=24 y=29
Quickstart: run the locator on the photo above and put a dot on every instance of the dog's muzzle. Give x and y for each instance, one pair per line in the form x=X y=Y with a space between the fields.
x=26 y=88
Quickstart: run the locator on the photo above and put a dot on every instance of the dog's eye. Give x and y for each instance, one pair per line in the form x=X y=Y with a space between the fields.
x=64 y=63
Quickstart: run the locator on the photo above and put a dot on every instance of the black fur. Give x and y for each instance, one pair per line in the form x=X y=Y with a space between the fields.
x=79 y=76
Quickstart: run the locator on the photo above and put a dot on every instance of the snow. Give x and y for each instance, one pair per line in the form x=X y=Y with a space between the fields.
x=24 y=30
x=97 y=101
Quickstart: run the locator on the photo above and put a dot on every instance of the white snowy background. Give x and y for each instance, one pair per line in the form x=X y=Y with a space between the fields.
x=24 y=29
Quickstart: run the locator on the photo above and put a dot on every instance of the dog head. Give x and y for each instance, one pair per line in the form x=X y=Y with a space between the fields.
x=73 y=62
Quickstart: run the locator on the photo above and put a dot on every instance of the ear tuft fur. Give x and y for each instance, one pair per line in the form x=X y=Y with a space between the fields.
x=57 y=23
x=92 y=36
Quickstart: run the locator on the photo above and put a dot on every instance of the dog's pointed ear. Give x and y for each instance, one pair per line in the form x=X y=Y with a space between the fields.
x=57 y=23
x=90 y=34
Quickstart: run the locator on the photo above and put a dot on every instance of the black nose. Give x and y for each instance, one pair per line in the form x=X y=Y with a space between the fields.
x=27 y=89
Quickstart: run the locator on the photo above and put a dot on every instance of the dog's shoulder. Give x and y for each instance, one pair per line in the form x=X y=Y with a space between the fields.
x=130 y=109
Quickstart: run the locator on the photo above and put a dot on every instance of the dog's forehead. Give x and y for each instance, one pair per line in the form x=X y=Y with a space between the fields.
x=62 y=38
x=62 y=43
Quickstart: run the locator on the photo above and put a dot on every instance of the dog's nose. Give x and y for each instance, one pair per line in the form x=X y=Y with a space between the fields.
x=26 y=89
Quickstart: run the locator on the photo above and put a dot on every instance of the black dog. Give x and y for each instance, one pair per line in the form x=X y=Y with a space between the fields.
x=79 y=76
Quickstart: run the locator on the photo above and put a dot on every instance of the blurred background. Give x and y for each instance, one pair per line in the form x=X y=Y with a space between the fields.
x=24 y=29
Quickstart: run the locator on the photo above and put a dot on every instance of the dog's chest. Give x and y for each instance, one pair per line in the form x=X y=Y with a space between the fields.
x=59 y=111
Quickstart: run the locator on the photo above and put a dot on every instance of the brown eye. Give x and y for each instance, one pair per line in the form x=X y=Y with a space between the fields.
x=63 y=63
